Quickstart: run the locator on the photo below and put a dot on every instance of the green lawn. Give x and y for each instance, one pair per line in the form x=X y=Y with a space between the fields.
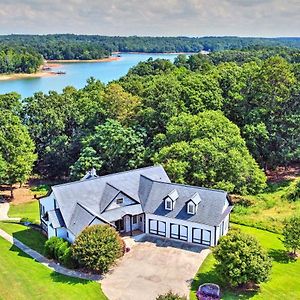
x=30 y=237
x=28 y=210
x=284 y=281
x=23 y=278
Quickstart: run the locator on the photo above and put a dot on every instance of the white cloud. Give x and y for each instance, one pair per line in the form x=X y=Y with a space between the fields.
x=152 y=17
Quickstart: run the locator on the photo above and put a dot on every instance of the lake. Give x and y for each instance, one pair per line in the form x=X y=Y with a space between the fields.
x=77 y=74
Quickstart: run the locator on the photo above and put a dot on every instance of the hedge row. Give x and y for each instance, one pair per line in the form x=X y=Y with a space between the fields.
x=59 y=249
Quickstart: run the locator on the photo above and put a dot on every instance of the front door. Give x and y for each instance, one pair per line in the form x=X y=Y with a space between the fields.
x=120 y=225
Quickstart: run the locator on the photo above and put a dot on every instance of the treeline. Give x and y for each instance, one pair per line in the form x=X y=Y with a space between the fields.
x=19 y=60
x=70 y=46
x=56 y=47
x=210 y=124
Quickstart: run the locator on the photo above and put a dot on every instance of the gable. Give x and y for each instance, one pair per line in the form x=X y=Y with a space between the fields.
x=96 y=194
x=116 y=203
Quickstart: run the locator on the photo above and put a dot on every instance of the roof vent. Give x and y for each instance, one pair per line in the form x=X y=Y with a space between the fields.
x=90 y=174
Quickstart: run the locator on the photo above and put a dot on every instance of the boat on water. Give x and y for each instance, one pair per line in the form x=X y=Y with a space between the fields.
x=60 y=72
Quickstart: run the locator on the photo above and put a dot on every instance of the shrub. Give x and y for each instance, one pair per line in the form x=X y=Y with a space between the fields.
x=51 y=246
x=171 y=296
x=97 y=247
x=60 y=251
x=241 y=259
x=291 y=234
x=293 y=192
x=58 y=244
x=241 y=210
x=67 y=259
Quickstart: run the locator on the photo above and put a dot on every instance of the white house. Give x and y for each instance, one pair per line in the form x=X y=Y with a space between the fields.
x=142 y=199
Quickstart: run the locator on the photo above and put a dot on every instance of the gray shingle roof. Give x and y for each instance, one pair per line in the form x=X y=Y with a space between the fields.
x=117 y=213
x=210 y=209
x=55 y=218
x=95 y=194
x=83 y=203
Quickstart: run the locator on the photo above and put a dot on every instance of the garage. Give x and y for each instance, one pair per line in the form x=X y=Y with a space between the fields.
x=179 y=232
x=157 y=227
x=201 y=236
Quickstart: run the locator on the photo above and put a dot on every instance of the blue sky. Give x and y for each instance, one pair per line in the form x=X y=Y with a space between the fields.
x=152 y=17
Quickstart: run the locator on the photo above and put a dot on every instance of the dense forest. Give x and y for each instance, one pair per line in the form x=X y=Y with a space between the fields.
x=218 y=120
x=19 y=60
x=70 y=46
x=22 y=53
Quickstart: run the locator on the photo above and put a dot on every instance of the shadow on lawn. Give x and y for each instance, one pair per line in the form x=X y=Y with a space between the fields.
x=226 y=292
x=280 y=256
x=19 y=251
x=56 y=277
x=31 y=238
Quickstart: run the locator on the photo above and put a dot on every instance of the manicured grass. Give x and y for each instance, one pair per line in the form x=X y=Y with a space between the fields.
x=267 y=210
x=30 y=237
x=23 y=278
x=284 y=281
x=28 y=210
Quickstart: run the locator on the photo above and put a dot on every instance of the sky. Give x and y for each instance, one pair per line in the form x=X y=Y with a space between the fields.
x=266 y=18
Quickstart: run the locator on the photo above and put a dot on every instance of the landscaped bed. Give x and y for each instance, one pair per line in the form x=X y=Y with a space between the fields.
x=284 y=283
x=23 y=278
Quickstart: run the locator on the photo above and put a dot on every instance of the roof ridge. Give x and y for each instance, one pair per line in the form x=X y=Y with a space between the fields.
x=188 y=185
x=107 y=175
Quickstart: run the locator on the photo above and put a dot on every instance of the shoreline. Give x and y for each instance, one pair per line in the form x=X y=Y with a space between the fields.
x=133 y=52
x=53 y=64
x=17 y=76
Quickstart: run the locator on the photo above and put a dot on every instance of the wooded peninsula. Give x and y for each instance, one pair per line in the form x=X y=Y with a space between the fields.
x=26 y=53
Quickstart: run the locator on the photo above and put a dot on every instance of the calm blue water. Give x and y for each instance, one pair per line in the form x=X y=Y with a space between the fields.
x=77 y=74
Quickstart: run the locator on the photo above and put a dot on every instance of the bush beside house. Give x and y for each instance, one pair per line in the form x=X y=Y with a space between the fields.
x=97 y=248
x=59 y=249
x=241 y=261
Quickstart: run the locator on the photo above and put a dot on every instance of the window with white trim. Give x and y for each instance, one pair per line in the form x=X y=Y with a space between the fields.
x=191 y=208
x=168 y=204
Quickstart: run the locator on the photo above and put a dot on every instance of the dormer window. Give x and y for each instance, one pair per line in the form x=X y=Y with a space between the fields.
x=191 y=208
x=170 y=200
x=120 y=200
x=168 y=204
x=192 y=204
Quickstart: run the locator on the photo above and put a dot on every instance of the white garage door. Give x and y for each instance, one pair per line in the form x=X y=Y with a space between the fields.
x=201 y=236
x=157 y=227
x=179 y=232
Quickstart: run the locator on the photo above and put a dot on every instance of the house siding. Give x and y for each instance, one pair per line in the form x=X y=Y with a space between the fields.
x=191 y=228
x=48 y=202
x=126 y=201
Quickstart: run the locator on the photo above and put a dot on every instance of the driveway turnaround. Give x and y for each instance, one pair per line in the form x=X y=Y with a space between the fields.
x=153 y=267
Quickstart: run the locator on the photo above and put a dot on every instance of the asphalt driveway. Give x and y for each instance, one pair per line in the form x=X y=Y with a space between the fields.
x=151 y=268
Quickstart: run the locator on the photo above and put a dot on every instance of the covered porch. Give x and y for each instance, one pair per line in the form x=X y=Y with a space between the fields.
x=128 y=220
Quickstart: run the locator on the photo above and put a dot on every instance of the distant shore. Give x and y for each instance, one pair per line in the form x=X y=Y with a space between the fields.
x=132 y=52
x=60 y=61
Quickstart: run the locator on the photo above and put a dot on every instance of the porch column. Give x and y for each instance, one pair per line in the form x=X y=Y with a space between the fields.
x=130 y=216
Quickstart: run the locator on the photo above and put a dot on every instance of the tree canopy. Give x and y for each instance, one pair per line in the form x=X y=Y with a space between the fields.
x=208 y=150
x=16 y=150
